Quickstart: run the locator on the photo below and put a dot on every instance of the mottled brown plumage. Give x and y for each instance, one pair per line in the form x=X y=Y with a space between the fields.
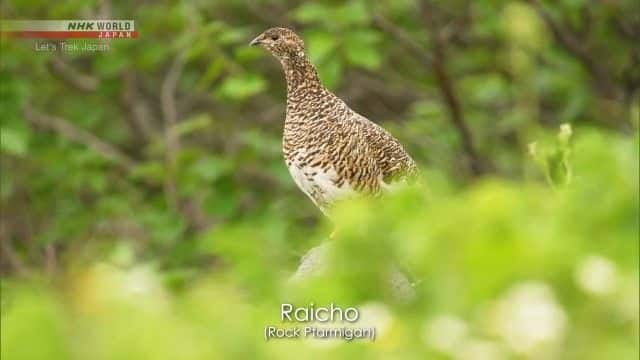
x=331 y=151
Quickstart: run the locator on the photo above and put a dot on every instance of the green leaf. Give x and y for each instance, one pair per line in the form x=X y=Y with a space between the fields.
x=241 y=87
x=152 y=170
x=192 y=124
x=12 y=142
x=245 y=54
x=211 y=168
x=330 y=72
x=213 y=71
x=353 y=12
x=363 y=55
x=164 y=227
x=362 y=37
x=111 y=65
x=320 y=45
x=360 y=48
x=311 y=12
x=151 y=55
x=234 y=35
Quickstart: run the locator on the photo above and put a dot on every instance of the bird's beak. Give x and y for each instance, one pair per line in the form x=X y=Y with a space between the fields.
x=257 y=40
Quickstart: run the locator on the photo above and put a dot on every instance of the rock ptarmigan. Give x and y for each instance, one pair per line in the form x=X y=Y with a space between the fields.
x=331 y=151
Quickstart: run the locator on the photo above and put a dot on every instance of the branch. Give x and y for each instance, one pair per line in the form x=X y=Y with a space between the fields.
x=137 y=106
x=69 y=131
x=190 y=210
x=170 y=116
x=50 y=259
x=70 y=75
x=449 y=94
x=270 y=14
x=575 y=46
x=404 y=39
x=9 y=254
x=437 y=64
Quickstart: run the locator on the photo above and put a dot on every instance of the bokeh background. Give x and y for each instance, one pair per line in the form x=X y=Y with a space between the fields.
x=147 y=212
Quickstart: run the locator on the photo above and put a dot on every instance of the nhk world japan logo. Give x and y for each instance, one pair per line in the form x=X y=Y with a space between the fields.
x=69 y=29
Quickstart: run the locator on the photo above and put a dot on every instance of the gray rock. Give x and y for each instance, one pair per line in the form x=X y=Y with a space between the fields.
x=314 y=262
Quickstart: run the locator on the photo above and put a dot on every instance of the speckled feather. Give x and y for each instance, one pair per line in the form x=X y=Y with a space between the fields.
x=331 y=151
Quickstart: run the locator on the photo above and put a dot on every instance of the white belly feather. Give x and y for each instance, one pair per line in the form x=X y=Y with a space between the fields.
x=318 y=184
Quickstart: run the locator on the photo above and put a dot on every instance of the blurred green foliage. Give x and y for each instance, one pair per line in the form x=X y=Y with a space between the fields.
x=127 y=233
x=505 y=269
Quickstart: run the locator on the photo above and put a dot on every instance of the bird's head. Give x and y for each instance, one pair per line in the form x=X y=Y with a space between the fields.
x=282 y=43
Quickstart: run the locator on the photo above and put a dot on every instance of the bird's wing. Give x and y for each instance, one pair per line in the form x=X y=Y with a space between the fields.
x=394 y=162
x=352 y=158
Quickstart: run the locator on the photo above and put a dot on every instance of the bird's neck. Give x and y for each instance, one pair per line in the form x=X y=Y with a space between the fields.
x=301 y=76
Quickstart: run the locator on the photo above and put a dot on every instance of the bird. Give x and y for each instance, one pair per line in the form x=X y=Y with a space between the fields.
x=331 y=151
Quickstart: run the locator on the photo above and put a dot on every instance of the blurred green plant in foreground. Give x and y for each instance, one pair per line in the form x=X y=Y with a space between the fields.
x=503 y=270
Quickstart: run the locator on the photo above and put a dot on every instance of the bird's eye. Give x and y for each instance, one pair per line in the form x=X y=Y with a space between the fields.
x=274 y=37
